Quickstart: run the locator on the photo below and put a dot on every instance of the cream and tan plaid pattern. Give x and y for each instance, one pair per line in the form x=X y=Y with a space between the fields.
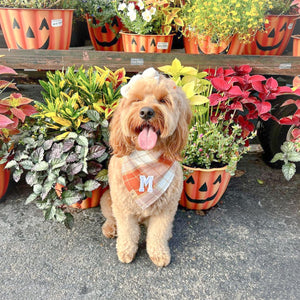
x=147 y=175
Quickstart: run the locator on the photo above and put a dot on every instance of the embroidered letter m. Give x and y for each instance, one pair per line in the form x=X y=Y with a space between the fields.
x=146 y=181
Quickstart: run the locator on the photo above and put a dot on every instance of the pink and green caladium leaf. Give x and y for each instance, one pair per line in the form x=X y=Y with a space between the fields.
x=7 y=70
x=5 y=121
x=7 y=84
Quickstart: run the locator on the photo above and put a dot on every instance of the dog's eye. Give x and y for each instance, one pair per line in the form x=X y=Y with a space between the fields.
x=163 y=100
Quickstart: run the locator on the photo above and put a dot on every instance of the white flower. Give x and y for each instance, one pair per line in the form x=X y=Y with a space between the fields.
x=152 y=10
x=140 y=4
x=131 y=6
x=122 y=6
x=132 y=15
x=147 y=16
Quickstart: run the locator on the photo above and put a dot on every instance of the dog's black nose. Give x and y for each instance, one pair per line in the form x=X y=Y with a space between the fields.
x=146 y=113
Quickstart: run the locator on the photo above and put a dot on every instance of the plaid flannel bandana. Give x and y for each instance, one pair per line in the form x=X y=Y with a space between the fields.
x=147 y=175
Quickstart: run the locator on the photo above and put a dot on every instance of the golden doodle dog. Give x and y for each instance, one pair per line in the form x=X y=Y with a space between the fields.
x=147 y=134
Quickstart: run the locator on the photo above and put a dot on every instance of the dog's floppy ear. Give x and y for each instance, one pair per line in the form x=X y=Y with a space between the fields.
x=117 y=140
x=177 y=141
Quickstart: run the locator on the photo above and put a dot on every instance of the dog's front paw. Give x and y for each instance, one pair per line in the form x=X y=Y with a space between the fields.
x=160 y=256
x=126 y=252
x=109 y=229
x=125 y=257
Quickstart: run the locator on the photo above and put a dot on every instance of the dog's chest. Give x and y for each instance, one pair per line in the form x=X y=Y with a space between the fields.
x=146 y=176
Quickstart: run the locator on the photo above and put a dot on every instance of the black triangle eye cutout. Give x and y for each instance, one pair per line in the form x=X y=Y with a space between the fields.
x=203 y=188
x=29 y=33
x=190 y=180
x=283 y=27
x=219 y=179
x=115 y=22
x=272 y=33
x=153 y=43
x=133 y=41
x=44 y=24
x=16 y=24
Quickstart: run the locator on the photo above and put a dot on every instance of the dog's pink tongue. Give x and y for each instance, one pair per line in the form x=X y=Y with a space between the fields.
x=147 y=138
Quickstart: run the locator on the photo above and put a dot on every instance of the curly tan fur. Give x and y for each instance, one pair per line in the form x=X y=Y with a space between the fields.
x=171 y=119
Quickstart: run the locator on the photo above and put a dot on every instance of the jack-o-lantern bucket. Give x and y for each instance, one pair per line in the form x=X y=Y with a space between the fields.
x=37 y=28
x=4 y=179
x=204 y=45
x=203 y=188
x=191 y=45
x=90 y=202
x=147 y=43
x=105 y=38
x=236 y=47
x=296 y=45
x=274 y=39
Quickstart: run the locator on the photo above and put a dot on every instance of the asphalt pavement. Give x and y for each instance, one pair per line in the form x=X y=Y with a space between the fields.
x=247 y=247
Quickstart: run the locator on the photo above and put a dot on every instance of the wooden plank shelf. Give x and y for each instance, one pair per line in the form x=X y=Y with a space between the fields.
x=135 y=62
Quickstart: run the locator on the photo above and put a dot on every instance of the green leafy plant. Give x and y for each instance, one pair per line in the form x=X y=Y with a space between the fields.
x=284 y=7
x=63 y=150
x=149 y=16
x=61 y=171
x=102 y=10
x=290 y=153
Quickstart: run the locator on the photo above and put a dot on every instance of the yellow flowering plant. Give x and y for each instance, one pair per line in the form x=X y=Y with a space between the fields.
x=221 y=19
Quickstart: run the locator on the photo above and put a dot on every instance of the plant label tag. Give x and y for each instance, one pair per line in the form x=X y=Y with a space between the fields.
x=162 y=45
x=290 y=26
x=57 y=23
x=285 y=66
x=137 y=61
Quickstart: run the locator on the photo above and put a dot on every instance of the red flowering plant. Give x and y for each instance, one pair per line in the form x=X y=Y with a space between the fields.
x=243 y=97
x=13 y=111
x=223 y=125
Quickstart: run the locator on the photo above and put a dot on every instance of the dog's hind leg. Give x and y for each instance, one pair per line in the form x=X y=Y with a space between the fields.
x=109 y=228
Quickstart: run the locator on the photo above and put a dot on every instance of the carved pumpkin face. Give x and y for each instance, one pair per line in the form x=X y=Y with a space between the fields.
x=37 y=28
x=203 y=190
x=106 y=38
x=34 y=36
x=274 y=39
x=147 y=43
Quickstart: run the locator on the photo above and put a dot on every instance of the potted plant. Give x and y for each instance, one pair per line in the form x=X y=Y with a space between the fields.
x=290 y=154
x=63 y=152
x=221 y=127
x=34 y=24
x=209 y=26
x=280 y=22
x=103 y=24
x=14 y=109
x=149 y=25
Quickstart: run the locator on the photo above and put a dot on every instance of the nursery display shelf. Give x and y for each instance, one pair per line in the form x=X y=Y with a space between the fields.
x=43 y=60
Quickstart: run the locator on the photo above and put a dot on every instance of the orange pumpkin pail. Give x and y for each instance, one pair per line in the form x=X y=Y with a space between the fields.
x=204 y=45
x=37 y=28
x=274 y=39
x=4 y=179
x=296 y=45
x=147 y=43
x=105 y=38
x=203 y=188
x=93 y=201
